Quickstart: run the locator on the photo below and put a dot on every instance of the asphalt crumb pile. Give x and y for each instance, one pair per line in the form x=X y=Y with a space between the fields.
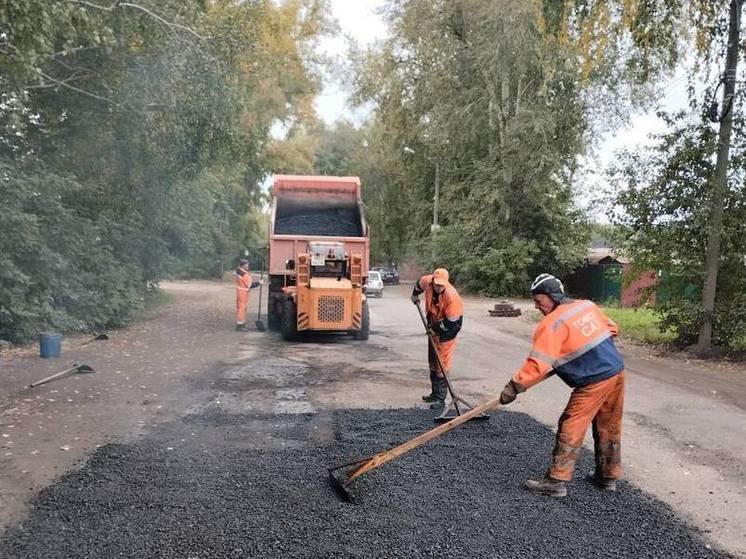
x=327 y=222
x=216 y=485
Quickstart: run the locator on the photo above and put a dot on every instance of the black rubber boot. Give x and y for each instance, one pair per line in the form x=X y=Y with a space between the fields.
x=604 y=483
x=440 y=390
x=433 y=396
x=547 y=486
x=441 y=387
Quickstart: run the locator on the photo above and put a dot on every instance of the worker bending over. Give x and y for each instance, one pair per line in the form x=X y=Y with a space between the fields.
x=575 y=340
x=243 y=284
x=444 y=311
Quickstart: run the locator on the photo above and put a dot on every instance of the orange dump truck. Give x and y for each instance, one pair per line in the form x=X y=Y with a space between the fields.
x=318 y=256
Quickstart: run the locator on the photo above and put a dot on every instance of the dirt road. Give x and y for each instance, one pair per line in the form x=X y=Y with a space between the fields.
x=180 y=403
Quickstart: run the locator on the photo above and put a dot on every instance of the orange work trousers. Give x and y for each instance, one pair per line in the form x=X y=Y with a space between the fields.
x=601 y=405
x=242 y=305
x=445 y=352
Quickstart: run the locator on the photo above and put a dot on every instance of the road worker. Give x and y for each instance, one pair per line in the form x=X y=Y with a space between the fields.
x=444 y=311
x=243 y=285
x=575 y=340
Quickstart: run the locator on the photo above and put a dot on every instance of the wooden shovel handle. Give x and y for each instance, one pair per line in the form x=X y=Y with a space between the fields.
x=382 y=457
x=54 y=376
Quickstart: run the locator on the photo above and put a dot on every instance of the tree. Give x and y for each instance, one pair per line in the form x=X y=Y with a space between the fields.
x=719 y=180
x=477 y=88
x=145 y=126
x=659 y=201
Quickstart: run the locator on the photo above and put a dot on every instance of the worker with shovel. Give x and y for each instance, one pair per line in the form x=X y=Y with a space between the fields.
x=243 y=285
x=575 y=340
x=444 y=310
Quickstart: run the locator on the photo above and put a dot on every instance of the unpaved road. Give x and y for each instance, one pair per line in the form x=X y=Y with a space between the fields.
x=180 y=396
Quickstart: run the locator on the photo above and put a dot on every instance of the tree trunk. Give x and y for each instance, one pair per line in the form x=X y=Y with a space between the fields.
x=720 y=183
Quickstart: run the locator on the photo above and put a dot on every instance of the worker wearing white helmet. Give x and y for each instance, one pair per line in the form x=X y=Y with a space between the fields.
x=575 y=341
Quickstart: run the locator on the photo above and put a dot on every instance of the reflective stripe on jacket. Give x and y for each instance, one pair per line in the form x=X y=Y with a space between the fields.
x=574 y=341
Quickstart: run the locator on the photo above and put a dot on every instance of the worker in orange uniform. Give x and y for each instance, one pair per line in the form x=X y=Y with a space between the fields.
x=243 y=285
x=575 y=340
x=444 y=311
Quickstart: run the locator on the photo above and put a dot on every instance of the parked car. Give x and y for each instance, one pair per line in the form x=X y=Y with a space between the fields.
x=375 y=284
x=389 y=275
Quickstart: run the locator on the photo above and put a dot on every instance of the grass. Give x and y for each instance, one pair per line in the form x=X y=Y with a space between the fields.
x=638 y=324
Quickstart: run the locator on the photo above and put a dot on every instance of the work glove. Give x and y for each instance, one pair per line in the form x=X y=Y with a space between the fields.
x=509 y=393
x=415 y=299
x=431 y=331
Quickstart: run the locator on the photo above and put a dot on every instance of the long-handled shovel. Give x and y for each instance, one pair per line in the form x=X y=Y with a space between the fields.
x=74 y=370
x=456 y=399
x=342 y=481
x=259 y=323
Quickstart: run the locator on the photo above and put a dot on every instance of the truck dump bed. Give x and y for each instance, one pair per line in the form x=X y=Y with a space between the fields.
x=312 y=216
x=308 y=208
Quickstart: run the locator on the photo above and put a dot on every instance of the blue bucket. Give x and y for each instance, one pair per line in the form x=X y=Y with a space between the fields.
x=50 y=344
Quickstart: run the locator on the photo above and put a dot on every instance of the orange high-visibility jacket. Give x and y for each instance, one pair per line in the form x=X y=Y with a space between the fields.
x=243 y=281
x=574 y=341
x=444 y=311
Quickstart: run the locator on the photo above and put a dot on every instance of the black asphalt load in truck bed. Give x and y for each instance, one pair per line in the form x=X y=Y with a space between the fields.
x=217 y=485
x=327 y=222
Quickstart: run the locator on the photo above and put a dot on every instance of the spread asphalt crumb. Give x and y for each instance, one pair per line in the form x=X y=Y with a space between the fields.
x=216 y=485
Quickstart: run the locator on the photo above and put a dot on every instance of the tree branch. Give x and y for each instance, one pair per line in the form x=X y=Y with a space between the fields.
x=155 y=16
x=74 y=76
x=82 y=91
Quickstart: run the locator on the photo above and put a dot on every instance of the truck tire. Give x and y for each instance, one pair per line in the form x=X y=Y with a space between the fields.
x=364 y=331
x=289 y=321
x=273 y=317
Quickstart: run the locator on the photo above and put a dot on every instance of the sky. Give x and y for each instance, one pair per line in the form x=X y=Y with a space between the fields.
x=359 y=19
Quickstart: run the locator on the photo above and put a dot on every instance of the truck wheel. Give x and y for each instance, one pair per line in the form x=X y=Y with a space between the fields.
x=364 y=331
x=273 y=317
x=289 y=321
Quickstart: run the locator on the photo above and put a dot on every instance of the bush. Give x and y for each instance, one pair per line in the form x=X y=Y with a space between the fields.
x=59 y=269
x=495 y=270
x=684 y=317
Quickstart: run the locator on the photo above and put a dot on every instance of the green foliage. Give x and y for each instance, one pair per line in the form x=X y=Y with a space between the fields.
x=659 y=195
x=496 y=100
x=134 y=142
x=493 y=271
x=477 y=94
x=58 y=268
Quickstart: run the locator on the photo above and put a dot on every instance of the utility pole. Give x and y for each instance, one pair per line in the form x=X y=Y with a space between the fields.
x=720 y=181
x=436 y=197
